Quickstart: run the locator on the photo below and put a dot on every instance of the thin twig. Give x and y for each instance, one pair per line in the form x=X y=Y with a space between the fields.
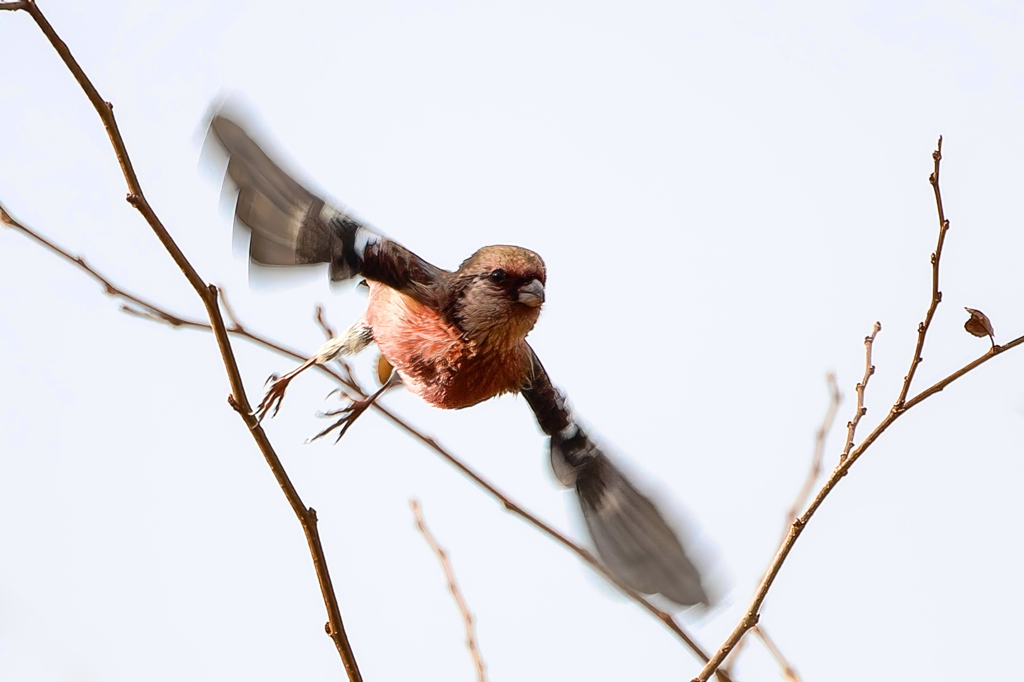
x=820 y=437
x=869 y=369
x=922 y=329
x=321 y=321
x=453 y=587
x=750 y=618
x=108 y=288
x=788 y=671
x=208 y=294
x=146 y=315
x=900 y=407
x=150 y=311
x=228 y=309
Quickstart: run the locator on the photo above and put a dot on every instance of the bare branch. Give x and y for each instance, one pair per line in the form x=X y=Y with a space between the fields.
x=869 y=369
x=922 y=329
x=900 y=407
x=208 y=294
x=820 y=437
x=79 y=262
x=453 y=586
x=751 y=616
x=152 y=312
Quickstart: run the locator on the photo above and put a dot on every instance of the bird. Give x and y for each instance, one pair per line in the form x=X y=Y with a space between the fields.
x=455 y=339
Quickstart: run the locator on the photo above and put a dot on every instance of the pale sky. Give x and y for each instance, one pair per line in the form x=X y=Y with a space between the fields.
x=726 y=197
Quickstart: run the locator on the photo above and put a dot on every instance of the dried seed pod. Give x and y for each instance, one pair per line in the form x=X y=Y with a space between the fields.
x=979 y=324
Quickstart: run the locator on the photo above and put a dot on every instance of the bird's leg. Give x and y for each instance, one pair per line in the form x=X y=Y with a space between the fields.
x=358 y=337
x=351 y=413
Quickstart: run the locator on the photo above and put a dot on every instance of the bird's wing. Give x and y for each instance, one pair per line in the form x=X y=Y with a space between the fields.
x=293 y=226
x=632 y=538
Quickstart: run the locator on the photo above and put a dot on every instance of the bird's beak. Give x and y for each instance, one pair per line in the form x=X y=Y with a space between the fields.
x=532 y=293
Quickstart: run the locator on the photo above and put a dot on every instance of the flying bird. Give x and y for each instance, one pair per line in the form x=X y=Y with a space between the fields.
x=454 y=339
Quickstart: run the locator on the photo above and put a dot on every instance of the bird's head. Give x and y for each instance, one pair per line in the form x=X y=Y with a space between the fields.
x=499 y=294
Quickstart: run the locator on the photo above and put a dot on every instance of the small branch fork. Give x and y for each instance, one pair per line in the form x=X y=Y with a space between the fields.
x=453 y=587
x=351 y=389
x=835 y=398
x=208 y=295
x=820 y=438
x=900 y=407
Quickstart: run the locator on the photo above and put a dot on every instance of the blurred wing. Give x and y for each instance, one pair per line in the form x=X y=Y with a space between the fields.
x=632 y=538
x=292 y=226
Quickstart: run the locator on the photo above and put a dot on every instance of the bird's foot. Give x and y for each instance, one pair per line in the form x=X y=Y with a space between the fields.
x=348 y=416
x=351 y=413
x=271 y=402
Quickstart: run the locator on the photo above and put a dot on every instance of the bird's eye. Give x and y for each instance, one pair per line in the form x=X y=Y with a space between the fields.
x=498 y=276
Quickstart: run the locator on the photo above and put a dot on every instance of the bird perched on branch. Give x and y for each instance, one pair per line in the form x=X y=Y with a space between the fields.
x=455 y=339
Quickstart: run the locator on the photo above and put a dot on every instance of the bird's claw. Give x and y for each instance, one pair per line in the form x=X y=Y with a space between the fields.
x=271 y=402
x=347 y=415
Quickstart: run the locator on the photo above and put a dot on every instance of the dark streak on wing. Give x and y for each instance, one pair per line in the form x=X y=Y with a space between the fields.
x=632 y=538
x=290 y=225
